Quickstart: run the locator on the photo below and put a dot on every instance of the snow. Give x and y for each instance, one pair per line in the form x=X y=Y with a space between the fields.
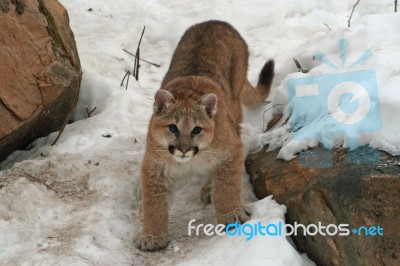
x=265 y=250
x=78 y=202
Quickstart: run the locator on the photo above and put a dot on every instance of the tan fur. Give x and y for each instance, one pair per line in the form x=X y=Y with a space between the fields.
x=204 y=87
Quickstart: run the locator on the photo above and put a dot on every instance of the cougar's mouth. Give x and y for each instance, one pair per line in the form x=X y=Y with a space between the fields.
x=182 y=158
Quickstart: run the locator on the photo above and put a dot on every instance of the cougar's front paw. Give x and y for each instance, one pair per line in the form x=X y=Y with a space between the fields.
x=240 y=215
x=150 y=242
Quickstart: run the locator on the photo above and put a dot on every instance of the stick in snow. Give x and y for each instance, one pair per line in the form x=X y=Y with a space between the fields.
x=351 y=14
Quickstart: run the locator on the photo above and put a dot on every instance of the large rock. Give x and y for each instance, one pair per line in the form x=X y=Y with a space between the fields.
x=359 y=195
x=40 y=72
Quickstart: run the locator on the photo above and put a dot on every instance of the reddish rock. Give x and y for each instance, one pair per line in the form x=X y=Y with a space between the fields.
x=40 y=72
x=359 y=195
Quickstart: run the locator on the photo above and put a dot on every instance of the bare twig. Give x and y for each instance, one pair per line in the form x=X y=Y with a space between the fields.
x=329 y=28
x=265 y=111
x=127 y=80
x=351 y=14
x=137 y=57
x=299 y=66
x=68 y=118
x=127 y=74
x=395 y=5
x=141 y=59
x=136 y=66
x=89 y=113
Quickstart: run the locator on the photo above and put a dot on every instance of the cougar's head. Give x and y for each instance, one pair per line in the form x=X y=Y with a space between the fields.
x=183 y=127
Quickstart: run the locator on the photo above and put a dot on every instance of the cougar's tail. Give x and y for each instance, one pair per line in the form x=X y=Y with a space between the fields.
x=255 y=96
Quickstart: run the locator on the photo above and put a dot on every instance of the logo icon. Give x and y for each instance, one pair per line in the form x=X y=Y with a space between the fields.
x=342 y=104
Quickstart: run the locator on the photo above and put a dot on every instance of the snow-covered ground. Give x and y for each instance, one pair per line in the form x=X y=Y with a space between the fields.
x=76 y=203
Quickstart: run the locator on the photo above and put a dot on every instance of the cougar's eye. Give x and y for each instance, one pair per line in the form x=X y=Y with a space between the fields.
x=173 y=128
x=196 y=130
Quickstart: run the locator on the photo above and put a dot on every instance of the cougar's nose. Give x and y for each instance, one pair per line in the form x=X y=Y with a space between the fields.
x=183 y=148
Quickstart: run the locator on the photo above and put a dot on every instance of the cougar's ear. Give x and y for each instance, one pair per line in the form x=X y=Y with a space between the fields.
x=161 y=100
x=209 y=100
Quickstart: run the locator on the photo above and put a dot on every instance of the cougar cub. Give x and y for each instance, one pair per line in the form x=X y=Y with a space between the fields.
x=195 y=127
